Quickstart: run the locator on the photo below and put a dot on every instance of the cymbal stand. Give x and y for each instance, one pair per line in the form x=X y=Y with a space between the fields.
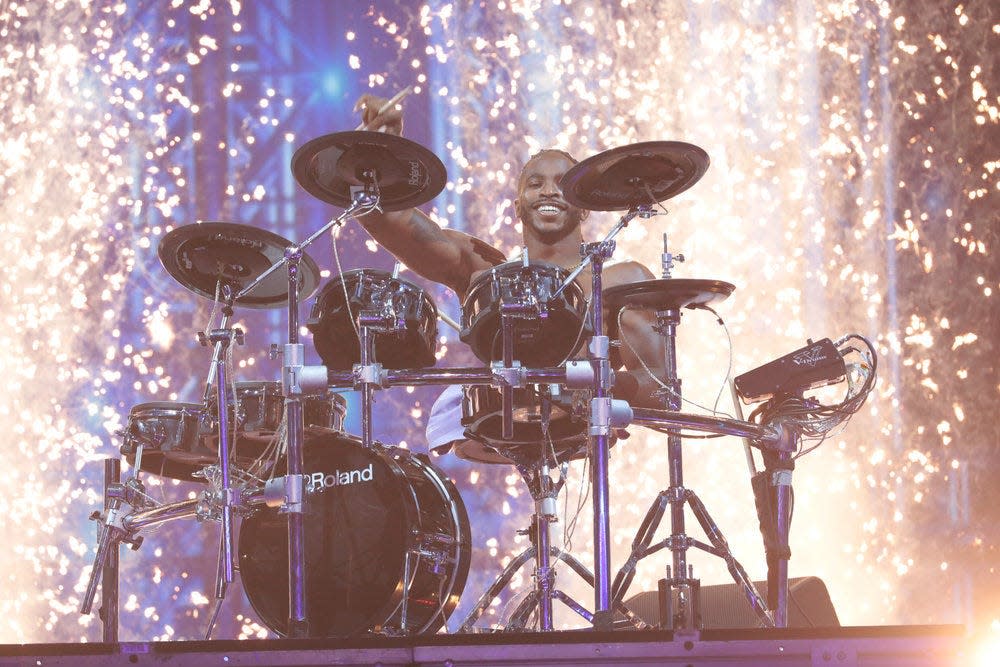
x=772 y=489
x=600 y=439
x=296 y=380
x=590 y=250
x=603 y=413
x=112 y=532
x=680 y=583
x=226 y=293
x=222 y=339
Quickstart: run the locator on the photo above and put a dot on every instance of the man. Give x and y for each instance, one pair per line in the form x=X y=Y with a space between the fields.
x=551 y=233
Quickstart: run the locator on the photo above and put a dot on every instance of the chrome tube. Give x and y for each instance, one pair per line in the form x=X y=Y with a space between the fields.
x=297 y=622
x=415 y=377
x=506 y=390
x=782 y=527
x=421 y=376
x=222 y=393
x=161 y=514
x=367 y=388
x=706 y=423
x=600 y=446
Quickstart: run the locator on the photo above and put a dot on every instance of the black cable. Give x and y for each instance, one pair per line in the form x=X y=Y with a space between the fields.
x=688 y=436
x=811 y=418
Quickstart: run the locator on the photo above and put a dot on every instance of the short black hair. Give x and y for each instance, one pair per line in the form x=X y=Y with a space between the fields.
x=557 y=151
x=552 y=150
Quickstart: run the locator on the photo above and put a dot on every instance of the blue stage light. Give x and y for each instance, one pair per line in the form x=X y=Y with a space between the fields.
x=331 y=83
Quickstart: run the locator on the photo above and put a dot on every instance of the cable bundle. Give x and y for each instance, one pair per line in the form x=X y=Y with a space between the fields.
x=814 y=420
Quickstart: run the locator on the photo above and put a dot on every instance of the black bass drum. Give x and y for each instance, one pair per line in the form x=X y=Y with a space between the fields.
x=387 y=543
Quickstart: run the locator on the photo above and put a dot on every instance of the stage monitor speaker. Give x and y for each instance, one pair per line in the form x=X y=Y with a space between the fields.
x=725 y=606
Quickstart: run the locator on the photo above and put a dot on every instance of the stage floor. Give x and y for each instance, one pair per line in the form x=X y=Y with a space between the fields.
x=828 y=647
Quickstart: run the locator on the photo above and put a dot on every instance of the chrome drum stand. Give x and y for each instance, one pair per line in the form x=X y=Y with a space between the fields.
x=367 y=177
x=680 y=590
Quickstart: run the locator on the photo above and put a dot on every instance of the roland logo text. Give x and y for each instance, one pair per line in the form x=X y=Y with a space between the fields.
x=320 y=480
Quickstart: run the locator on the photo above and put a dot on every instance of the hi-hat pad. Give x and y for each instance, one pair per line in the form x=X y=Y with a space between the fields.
x=666 y=294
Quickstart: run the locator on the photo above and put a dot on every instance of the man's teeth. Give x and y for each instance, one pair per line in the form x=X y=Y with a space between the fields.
x=548 y=209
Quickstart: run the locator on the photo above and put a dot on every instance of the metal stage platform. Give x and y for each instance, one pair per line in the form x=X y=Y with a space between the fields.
x=894 y=646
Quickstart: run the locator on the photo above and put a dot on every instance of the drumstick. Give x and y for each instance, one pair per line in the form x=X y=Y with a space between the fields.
x=450 y=322
x=397 y=98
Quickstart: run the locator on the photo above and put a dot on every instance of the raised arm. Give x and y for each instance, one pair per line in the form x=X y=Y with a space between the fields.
x=442 y=255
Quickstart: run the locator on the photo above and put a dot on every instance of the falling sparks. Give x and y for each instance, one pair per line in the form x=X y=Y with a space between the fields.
x=839 y=199
x=793 y=173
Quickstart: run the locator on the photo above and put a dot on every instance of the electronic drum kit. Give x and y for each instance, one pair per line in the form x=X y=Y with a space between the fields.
x=341 y=535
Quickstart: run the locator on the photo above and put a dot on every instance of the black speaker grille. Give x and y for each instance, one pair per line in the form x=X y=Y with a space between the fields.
x=725 y=606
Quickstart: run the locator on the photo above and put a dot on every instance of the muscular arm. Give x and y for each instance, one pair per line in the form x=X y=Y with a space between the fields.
x=442 y=255
x=637 y=328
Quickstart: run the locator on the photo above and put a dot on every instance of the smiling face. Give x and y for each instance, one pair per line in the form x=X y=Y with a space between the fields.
x=540 y=205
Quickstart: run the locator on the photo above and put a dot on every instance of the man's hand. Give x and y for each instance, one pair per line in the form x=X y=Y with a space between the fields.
x=389 y=121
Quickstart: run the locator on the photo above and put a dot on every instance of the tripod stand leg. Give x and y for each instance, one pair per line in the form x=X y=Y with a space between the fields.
x=519 y=619
x=221 y=587
x=501 y=582
x=214 y=618
x=109 y=575
x=639 y=546
x=588 y=577
x=103 y=547
x=105 y=568
x=740 y=575
x=574 y=605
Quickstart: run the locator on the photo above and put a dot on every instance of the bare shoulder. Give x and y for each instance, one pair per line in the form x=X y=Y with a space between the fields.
x=475 y=256
x=477 y=248
x=627 y=272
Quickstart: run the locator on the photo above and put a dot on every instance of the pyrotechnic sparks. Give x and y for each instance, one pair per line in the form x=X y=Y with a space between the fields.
x=798 y=176
x=845 y=194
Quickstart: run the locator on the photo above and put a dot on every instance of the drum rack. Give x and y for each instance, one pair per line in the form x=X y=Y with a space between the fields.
x=118 y=525
x=127 y=511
